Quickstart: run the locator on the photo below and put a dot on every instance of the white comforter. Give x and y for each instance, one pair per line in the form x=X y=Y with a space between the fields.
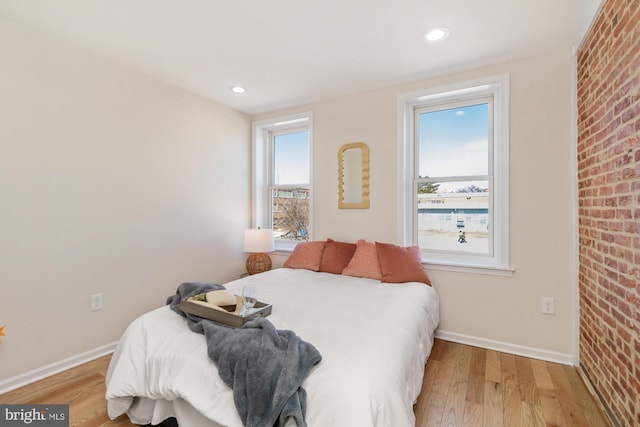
x=374 y=339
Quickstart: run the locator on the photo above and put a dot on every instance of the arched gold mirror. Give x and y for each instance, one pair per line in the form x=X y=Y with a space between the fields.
x=353 y=176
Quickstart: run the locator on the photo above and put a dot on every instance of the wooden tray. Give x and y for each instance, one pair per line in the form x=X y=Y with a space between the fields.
x=227 y=318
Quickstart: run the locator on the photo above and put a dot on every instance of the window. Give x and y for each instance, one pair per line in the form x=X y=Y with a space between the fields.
x=282 y=178
x=452 y=153
x=454 y=175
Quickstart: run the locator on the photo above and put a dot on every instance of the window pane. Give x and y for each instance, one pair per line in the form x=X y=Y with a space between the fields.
x=290 y=213
x=291 y=158
x=454 y=142
x=454 y=217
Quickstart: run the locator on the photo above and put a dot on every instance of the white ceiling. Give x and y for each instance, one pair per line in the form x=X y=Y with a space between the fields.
x=293 y=52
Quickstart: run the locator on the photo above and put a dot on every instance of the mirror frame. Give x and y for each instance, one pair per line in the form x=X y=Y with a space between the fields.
x=364 y=203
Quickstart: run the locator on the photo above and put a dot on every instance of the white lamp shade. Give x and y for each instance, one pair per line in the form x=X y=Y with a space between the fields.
x=258 y=240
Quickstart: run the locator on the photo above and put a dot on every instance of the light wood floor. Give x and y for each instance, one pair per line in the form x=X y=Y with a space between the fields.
x=463 y=386
x=469 y=386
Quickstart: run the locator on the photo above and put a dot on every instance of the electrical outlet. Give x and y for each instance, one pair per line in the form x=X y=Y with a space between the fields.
x=96 y=302
x=548 y=305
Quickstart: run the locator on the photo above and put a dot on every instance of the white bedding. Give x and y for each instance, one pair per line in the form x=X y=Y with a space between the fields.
x=374 y=339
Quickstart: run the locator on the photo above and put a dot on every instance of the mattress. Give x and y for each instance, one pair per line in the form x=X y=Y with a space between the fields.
x=374 y=339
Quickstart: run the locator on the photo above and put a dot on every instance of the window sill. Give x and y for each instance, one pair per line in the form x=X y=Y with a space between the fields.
x=285 y=246
x=282 y=252
x=470 y=268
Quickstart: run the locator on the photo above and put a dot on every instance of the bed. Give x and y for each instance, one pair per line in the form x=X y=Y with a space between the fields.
x=374 y=339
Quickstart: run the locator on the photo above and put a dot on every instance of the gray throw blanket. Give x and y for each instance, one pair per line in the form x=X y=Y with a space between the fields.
x=264 y=366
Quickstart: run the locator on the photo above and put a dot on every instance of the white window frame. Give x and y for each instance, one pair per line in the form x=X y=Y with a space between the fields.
x=261 y=165
x=496 y=87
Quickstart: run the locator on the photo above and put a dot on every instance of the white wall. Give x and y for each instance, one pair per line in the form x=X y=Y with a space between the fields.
x=489 y=308
x=110 y=181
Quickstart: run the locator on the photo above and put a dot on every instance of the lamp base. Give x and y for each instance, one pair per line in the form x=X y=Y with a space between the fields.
x=258 y=263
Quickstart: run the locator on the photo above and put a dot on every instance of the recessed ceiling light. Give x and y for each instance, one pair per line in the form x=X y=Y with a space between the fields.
x=238 y=89
x=436 y=34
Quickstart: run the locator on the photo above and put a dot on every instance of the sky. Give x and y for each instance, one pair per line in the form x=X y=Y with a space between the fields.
x=454 y=142
x=291 y=158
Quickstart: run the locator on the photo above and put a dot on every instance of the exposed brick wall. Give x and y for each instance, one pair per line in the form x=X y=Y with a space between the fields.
x=609 y=206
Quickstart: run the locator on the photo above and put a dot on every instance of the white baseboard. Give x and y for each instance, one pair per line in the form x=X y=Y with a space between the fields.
x=520 y=350
x=54 y=368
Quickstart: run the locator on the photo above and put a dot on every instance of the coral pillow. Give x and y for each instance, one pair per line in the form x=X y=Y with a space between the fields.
x=364 y=262
x=305 y=255
x=399 y=264
x=336 y=256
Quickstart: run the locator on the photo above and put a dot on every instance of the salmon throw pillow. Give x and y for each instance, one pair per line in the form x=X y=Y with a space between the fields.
x=400 y=264
x=336 y=256
x=364 y=262
x=305 y=255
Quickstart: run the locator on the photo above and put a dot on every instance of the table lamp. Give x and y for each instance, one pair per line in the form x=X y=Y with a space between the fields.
x=258 y=241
